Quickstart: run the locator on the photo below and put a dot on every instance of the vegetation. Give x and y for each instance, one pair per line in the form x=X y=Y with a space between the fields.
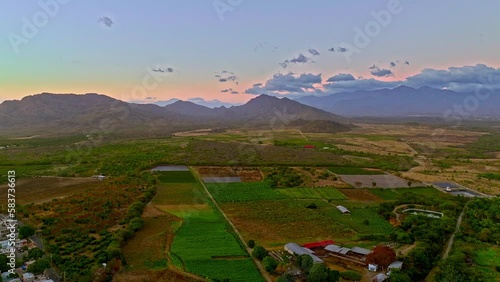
x=269 y=264
x=381 y=255
x=320 y=273
x=284 y=177
x=491 y=176
x=26 y=231
x=243 y=191
x=313 y=193
x=259 y=252
x=351 y=275
x=176 y=177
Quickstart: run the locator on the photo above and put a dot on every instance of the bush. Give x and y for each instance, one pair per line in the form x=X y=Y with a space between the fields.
x=251 y=244
x=259 y=252
x=269 y=264
x=351 y=275
x=312 y=206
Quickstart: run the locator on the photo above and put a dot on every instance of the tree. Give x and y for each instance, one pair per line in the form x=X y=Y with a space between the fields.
x=3 y=263
x=26 y=231
x=320 y=273
x=381 y=255
x=287 y=277
x=270 y=264
x=251 y=243
x=306 y=262
x=39 y=266
x=35 y=253
x=374 y=184
x=136 y=224
x=399 y=276
x=259 y=252
x=409 y=183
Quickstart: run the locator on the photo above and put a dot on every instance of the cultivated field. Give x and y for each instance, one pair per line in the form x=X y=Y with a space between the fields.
x=203 y=244
x=43 y=189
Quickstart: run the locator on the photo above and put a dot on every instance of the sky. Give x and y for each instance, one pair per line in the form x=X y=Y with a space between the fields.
x=232 y=50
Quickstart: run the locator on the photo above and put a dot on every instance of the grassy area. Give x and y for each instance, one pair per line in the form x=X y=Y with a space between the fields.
x=491 y=176
x=313 y=193
x=357 y=220
x=240 y=192
x=176 y=177
x=354 y=171
x=147 y=249
x=488 y=259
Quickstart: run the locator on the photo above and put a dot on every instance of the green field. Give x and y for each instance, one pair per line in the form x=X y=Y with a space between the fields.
x=488 y=259
x=376 y=224
x=204 y=240
x=242 y=192
x=176 y=177
x=313 y=193
x=394 y=194
x=354 y=171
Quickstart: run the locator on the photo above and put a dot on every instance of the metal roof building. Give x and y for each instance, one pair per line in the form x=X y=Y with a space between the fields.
x=395 y=265
x=343 y=209
x=360 y=251
x=295 y=249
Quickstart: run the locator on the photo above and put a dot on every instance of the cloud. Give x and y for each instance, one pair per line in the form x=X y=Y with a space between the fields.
x=230 y=90
x=226 y=76
x=407 y=63
x=378 y=72
x=163 y=70
x=338 y=49
x=106 y=21
x=341 y=77
x=359 y=84
x=301 y=59
x=229 y=78
x=459 y=79
x=392 y=64
x=314 y=52
x=289 y=83
x=150 y=98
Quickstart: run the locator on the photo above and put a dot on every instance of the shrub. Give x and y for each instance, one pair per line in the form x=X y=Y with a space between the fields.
x=351 y=275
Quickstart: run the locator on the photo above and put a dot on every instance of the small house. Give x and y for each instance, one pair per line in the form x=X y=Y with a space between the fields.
x=395 y=265
x=343 y=210
x=379 y=278
x=28 y=277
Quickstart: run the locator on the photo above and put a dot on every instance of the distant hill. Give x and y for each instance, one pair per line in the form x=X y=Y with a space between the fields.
x=401 y=101
x=70 y=113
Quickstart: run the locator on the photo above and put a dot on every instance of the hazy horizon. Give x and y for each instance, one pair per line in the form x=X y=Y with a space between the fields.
x=232 y=51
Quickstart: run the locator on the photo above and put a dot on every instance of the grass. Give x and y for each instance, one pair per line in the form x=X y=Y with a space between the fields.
x=147 y=248
x=235 y=270
x=376 y=224
x=242 y=192
x=176 y=177
x=488 y=259
x=354 y=171
x=313 y=193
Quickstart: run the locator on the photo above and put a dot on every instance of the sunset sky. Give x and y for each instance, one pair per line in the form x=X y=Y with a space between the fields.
x=232 y=50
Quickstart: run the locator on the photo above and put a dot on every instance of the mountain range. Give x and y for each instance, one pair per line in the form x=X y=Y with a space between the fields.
x=70 y=113
x=405 y=101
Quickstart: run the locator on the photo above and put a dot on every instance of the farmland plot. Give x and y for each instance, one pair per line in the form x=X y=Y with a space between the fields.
x=241 y=192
